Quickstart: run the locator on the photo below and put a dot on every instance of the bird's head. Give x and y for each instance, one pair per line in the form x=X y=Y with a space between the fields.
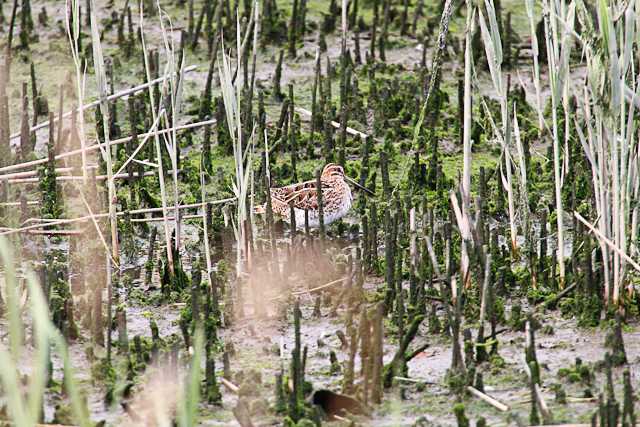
x=332 y=171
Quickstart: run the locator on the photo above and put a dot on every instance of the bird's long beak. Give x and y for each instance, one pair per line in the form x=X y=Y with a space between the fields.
x=354 y=182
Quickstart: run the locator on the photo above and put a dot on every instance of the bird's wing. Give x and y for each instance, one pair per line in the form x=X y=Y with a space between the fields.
x=281 y=191
x=301 y=195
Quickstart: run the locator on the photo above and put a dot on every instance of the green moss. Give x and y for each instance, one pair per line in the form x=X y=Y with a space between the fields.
x=458 y=411
x=497 y=362
x=456 y=382
x=517 y=320
x=564 y=372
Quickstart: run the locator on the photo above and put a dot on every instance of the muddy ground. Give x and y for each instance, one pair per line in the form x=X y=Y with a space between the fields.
x=264 y=345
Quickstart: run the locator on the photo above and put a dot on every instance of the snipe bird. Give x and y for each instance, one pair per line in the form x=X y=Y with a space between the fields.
x=336 y=198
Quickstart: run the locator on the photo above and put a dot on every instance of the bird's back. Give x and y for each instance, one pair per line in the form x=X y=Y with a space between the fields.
x=336 y=196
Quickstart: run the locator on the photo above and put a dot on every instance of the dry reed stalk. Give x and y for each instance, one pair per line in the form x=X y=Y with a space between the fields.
x=123 y=93
x=50 y=222
x=158 y=219
x=28 y=174
x=468 y=65
x=95 y=147
x=155 y=114
x=72 y=8
x=493 y=49
x=76 y=178
x=488 y=399
x=98 y=231
x=344 y=26
x=536 y=65
x=485 y=287
x=540 y=400
x=466 y=140
x=229 y=385
x=254 y=54
x=30 y=202
x=251 y=197
x=523 y=194
x=609 y=139
x=413 y=240
x=103 y=90
x=319 y=288
x=174 y=87
x=558 y=54
x=57 y=232
x=60 y=117
x=242 y=154
x=436 y=63
x=335 y=124
x=242 y=48
x=205 y=226
x=607 y=242
x=142 y=143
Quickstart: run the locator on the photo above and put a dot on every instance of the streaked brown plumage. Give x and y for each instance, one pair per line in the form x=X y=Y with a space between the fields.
x=336 y=197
